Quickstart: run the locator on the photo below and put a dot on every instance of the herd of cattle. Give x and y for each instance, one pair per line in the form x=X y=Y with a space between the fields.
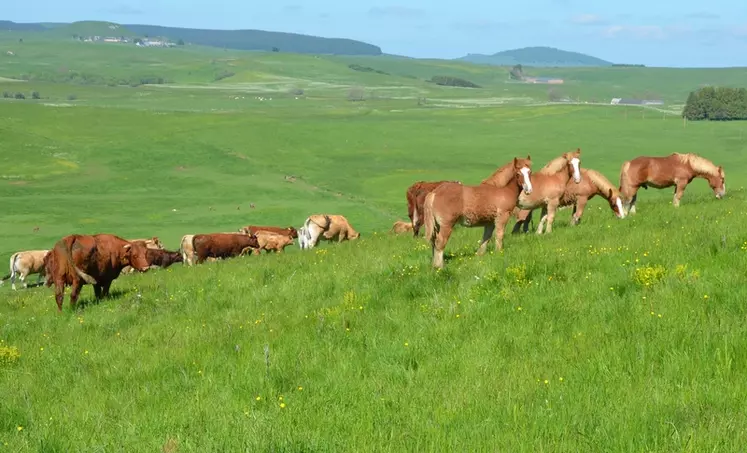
x=513 y=190
x=76 y=260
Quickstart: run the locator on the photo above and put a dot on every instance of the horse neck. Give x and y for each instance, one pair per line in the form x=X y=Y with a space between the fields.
x=703 y=174
x=499 y=177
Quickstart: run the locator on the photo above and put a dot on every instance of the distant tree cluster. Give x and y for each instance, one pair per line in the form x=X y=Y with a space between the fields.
x=452 y=82
x=716 y=103
x=516 y=73
x=19 y=95
x=83 y=78
x=357 y=67
x=628 y=65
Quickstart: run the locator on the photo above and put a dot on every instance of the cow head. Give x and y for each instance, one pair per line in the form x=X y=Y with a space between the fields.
x=134 y=254
x=293 y=232
x=253 y=241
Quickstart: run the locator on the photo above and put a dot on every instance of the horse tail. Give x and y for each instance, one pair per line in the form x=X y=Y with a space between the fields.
x=430 y=218
x=13 y=259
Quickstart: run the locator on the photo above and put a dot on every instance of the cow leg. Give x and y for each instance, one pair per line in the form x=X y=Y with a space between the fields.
x=105 y=289
x=679 y=191
x=39 y=279
x=442 y=238
x=486 y=235
x=59 y=293
x=97 y=291
x=23 y=280
x=75 y=293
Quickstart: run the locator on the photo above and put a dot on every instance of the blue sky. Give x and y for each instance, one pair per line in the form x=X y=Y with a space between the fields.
x=656 y=33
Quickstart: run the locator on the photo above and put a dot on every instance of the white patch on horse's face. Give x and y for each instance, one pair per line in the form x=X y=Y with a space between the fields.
x=527 y=184
x=720 y=194
x=620 y=210
x=576 y=171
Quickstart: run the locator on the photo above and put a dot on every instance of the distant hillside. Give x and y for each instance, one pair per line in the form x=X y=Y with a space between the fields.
x=230 y=39
x=536 y=56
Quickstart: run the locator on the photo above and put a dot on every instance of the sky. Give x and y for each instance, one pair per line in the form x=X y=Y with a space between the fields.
x=679 y=33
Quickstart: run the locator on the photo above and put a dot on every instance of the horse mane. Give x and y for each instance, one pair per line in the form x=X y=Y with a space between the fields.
x=554 y=166
x=600 y=181
x=698 y=163
x=501 y=176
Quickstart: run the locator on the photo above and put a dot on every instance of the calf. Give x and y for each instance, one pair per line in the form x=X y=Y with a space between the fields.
x=158 y=258
x=221 y=245
x=24 y=264
x=253 y=229
x=328 y=227
x=152 y=243
x=400 y=227
x=272 y=242
x=96 y=259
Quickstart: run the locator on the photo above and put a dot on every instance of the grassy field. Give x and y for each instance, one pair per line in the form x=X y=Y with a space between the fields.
x=614 y=335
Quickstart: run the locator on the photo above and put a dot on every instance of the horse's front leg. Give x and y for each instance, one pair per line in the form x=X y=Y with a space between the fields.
x=679 y=191
x=578 y=210
x=543 y=219
x=486 y=235
x=552 y=206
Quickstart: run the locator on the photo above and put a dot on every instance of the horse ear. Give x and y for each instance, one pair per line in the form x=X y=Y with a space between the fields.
x=720 y=170
x=516 y=162
x=529 y=157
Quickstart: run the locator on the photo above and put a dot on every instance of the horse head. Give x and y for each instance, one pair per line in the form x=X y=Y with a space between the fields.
x=616 y=204
x=574 y=164
x=522 y=173
x=718 y=183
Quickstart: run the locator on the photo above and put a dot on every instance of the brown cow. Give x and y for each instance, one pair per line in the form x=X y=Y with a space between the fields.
x=152 y=243
x=221 y=245
x=328 y=227
x=415 y=198
x=94 y=259
x=253 y=229
x=158 y=258
x=400 y=227
x=24 y=264
x=271 y=242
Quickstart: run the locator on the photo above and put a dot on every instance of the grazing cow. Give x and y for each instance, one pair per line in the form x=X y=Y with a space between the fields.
x=415 y=198
x=400 y=227
x=253 y=229
x=221 y=245
x=24 y=264
x=97 y=260
x=272 y=242
x=328 y=227
x=158 y=258
x=152 y=243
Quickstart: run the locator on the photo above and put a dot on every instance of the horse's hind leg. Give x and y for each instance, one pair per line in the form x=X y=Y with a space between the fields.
x=631 y=205
x=578 y=211
x=442 y=238
x=543 y=220
x=486 y=235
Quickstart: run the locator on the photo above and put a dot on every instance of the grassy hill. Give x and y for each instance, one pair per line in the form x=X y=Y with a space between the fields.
x=536 y=56
x=227 y=39
x=614 y=335
x=555 y=344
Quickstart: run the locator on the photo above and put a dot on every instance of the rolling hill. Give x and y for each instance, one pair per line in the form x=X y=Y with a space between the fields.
x=536 y=56
x=229 y=39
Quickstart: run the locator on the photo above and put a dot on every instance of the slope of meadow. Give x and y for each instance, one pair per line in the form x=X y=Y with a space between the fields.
x=615 y=335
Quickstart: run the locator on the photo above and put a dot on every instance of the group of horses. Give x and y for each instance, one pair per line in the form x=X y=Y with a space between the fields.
x=515 y=190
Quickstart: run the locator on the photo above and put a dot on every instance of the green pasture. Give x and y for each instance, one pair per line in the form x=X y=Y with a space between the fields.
x=614 y=335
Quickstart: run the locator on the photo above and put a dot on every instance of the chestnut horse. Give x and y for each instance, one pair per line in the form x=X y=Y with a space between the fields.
x=483 y=205
x=675 y=169
x=415 y=198
x=549 y=186
x=592 y=184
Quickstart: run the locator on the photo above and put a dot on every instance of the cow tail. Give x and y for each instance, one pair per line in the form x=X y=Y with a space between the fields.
x=429 y=218
x=69 y=264
x=13 y=259
x=329 y=222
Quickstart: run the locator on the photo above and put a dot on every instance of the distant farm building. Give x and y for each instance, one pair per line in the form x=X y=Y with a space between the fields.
x=550 y=80
x=623 y=101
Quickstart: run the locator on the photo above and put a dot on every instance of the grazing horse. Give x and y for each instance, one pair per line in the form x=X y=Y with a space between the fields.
x=415 y=198
x=675 y=169
x=592 y=184
x=549 y=186
x=483 y=205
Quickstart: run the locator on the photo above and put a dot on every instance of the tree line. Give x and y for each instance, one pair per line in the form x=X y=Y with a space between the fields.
x=716 y=103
